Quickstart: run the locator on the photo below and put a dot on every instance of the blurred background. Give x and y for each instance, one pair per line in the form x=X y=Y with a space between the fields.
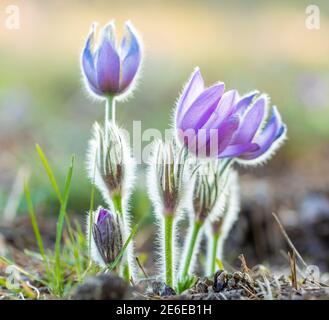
x=247 y=44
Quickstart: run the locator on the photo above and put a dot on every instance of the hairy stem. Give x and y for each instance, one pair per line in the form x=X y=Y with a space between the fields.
x=109 y=107
x=168 y=248
x=190 y=249
x=106 y=119
x=113 y=110
x=227 y=163
x=117 y=203
x=213 y=253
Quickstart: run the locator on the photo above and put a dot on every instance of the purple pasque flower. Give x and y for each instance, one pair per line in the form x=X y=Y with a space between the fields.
x=215 y=123
x=110 y=70
x=268 y=138
x=106 y=236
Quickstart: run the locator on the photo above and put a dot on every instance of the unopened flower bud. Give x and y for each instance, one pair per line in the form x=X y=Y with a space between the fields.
x=106 y=236
x=208 y=186
x=221 y=222
x=168 y=176
x=109 y=161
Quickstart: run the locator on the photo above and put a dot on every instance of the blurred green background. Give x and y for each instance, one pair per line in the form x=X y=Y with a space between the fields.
x=246 y=44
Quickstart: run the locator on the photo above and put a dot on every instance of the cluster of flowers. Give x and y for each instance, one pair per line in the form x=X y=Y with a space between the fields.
x=191 y=176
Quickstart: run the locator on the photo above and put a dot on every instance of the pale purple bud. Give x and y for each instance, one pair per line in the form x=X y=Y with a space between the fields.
x=110 y=70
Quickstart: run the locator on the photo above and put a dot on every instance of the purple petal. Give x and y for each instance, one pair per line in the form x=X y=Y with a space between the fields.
x=192 y=90
x=102 y=214
x=220 y=138
x=222 y=111
x=251 y=122
x=108 y=62
x=238 y=149
x=131 y=57
x=88 y=62
x=245 y=102
x=277 y=116
x=202 y=108
x=267 y=136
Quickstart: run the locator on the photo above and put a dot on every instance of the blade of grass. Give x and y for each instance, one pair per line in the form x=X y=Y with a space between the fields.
x=122 y=251
x=56 y=188
x=60 y=222
x=219 y=264
x=37 y=256
x=80 y=235
x=91 y=208
x=78 y=265
x=35 y=225
x=80 y=241
x=49 y=172
x=291 y=245
x=54 y=183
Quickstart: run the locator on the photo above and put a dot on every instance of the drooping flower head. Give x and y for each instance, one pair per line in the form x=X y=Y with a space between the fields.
x=106 y=236
x=219 y=124
x=111 y=70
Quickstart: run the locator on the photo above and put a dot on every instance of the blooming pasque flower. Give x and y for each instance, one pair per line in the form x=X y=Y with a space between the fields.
x=106 y=236
x=110 y=70
x=215 y=123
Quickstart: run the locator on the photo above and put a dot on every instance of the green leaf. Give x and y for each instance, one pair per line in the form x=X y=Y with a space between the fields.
x=219 y=264
x=35 y=225
x=91 y=208
x=122 y=251
x=185 y=283
x=59 y=230
x=49 y=172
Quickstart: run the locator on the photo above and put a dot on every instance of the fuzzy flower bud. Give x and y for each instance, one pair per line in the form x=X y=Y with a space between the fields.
x=208 y=187
x=167 y=185
x=106 y=236
x=222 y=221
x=110 y=70
x=168 y=176
x=109 y=161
